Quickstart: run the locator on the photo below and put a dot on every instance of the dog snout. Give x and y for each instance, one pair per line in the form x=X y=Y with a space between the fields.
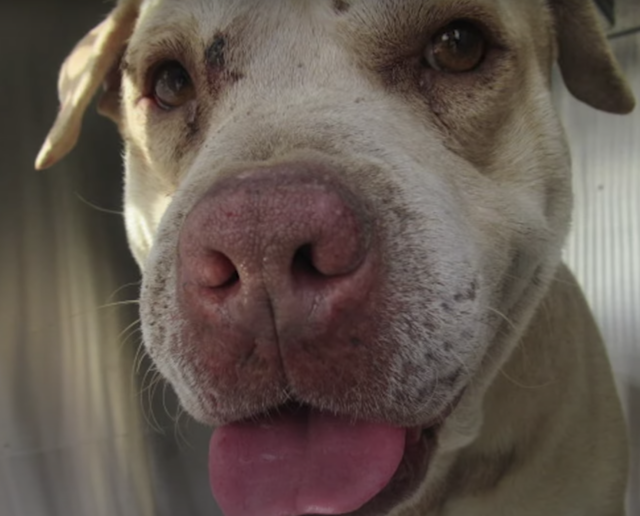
x=273 y=229
x=275 y=269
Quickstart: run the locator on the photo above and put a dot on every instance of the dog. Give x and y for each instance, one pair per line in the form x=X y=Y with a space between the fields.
x=349 y=216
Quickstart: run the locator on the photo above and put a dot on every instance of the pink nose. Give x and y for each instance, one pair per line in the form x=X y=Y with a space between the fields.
x=276 y=257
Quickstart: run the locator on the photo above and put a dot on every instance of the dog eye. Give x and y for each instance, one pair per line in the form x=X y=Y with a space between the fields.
x=459 y=47
x=172 y=86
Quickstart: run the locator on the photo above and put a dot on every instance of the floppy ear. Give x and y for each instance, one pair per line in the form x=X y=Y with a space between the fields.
x=82 y=73
x=588 y=66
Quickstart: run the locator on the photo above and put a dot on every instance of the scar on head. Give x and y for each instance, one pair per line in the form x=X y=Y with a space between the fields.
x=341 y=6
x=215 y=54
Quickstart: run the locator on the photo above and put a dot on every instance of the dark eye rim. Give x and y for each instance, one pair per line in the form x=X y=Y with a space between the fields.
x=490 y=44
x=152 y=77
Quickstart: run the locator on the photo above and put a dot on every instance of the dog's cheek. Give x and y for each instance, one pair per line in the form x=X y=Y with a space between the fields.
x=520 y=205
x=435 y=294
x=513 y=255
x=521 y=248
x=146 y=200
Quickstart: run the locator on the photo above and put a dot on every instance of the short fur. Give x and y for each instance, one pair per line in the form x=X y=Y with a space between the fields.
x=468 y=179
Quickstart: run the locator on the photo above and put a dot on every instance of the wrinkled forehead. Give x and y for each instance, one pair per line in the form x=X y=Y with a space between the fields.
x=300 y=26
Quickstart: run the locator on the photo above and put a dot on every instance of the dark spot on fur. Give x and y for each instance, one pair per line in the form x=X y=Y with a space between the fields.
x=429 y=325
x=355 y=342
x=341 y=6
x=430 y=356
x=409 y=370
x=190 y=133
x=215 y=54
x=220 y=73
x=446 y=307
x=451 y=379
x=467 y=295
x=402 y=218
x=425 y=392
x=192 y=128
x=234 y=76
x=447 y=346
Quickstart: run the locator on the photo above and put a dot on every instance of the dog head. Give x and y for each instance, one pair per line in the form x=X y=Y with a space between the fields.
x=345 y=213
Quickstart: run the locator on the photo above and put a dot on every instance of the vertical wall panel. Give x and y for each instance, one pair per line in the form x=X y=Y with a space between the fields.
x=604 y=248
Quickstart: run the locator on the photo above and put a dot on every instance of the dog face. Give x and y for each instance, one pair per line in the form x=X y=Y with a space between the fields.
x=341 y=209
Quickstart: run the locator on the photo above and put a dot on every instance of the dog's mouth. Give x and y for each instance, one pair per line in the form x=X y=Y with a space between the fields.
x=300 y=461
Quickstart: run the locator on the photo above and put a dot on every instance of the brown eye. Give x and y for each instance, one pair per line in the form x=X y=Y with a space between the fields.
x=172 y=86
x=459 y=47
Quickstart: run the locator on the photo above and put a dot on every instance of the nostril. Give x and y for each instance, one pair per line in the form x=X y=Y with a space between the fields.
x=281 y=233
x=327 y=259
x=219 y=271
x=303 y=263
x=233 y=279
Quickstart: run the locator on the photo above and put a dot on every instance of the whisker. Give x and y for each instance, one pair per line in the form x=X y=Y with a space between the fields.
x=96 y=207
x=130 y=330
x=503 y=317
x=126 y=302
x=180 y=436
x=153 y=420
x=123 y=287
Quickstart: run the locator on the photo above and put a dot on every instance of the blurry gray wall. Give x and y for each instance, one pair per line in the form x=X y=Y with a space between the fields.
x=84 y=427
x=604 y=248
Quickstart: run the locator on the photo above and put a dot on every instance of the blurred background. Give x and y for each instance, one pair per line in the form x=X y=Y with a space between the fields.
x=86 y=428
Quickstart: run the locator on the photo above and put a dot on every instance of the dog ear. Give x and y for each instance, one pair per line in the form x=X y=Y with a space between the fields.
x=588 y=66
x=94 y=60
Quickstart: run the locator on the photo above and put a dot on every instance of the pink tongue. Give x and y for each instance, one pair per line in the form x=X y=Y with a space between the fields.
x=304 y=463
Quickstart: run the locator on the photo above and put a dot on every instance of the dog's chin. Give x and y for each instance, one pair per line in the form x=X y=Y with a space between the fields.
x=300 y=461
